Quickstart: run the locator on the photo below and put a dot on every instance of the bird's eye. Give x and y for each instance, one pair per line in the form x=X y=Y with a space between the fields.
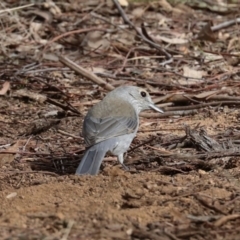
x=143 y=94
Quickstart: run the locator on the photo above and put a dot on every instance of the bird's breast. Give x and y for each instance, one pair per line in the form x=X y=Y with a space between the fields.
x=122 y=143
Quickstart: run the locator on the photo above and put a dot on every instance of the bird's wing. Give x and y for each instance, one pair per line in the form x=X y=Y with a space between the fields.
x=100 y=128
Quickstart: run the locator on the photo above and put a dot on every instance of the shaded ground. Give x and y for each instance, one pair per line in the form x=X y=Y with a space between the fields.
x=184 y=173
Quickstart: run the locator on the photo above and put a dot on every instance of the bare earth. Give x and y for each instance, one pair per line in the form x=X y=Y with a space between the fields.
x=149 y=203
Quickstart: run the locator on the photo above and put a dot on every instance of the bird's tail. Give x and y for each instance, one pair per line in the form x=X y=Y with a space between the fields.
x=92 y=159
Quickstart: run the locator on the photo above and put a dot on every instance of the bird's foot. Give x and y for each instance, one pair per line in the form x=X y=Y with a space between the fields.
x=125 y=167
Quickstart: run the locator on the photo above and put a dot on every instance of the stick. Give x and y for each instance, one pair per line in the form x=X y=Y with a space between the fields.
x=82 y=71
x=140 y=34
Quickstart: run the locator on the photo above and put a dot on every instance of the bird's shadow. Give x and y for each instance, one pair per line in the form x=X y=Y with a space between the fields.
x=60 y=164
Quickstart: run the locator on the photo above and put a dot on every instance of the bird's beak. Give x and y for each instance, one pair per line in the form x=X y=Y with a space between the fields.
x=152 y=106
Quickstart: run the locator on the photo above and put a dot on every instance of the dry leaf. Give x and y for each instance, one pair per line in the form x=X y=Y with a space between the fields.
x=234 y=43
x=209 y=57
x=35 y=27
x=170 y=40
x=11 y=195
x=232 y=60
x=32 y=95
x=138 y=12
x=192 y=76
x=202 y=172
x=9 y=157
x=204 y=95
x=53 y=8
x=165 y=5
x=5 y=88
x=95 y=41
x=192 y=73
x=123 y=3
x=183 y=9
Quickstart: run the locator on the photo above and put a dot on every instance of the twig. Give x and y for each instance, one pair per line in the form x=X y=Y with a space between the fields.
x=202 y=219
x=47 y=70
x=142 y=144
x=171 y=235
x=49 y=85
x=140 y=34
x=24 y=147
x=82 y=71
x=207 y=205
x=149 y=81
x=6 y=145
x=68 y=134
x=186 y=97
x=16 y=8
x=25 y=172
x=225 y=219
x=167 y=114
x=68 y=230
x=18 y=184
x=125 y=60
x=143 y=234
x=166 y=168
x=225 y=24
x=88 y=103
x=64 y=107
x=201 y=105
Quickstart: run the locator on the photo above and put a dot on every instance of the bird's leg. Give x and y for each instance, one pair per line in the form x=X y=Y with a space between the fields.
x=120 y=159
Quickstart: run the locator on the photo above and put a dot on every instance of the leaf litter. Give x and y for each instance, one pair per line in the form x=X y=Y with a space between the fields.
x=60 y=58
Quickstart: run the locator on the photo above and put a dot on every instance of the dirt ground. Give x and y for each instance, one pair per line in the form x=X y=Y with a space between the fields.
x=184 y=177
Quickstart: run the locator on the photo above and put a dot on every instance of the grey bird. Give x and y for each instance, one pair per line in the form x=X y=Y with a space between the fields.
x=111 y=125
